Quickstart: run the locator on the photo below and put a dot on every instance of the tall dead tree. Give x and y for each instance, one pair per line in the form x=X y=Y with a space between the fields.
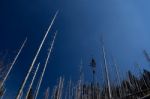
x=30 y=86
x=58 y=90
x=35 y=58
x=14 y=61
x=106 y=70
x=45 y=65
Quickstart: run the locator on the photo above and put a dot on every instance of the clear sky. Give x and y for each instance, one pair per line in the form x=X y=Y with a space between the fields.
x=124 y=25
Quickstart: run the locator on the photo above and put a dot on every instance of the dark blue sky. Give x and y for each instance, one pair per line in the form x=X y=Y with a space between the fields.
x=80 y=24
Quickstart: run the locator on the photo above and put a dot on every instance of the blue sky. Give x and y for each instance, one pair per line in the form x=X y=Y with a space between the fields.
x=124 y=25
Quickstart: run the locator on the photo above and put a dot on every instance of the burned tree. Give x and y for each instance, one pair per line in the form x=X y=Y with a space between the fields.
x=93 y=66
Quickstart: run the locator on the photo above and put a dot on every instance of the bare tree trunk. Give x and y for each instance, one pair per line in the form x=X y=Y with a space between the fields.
x=34 y=60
